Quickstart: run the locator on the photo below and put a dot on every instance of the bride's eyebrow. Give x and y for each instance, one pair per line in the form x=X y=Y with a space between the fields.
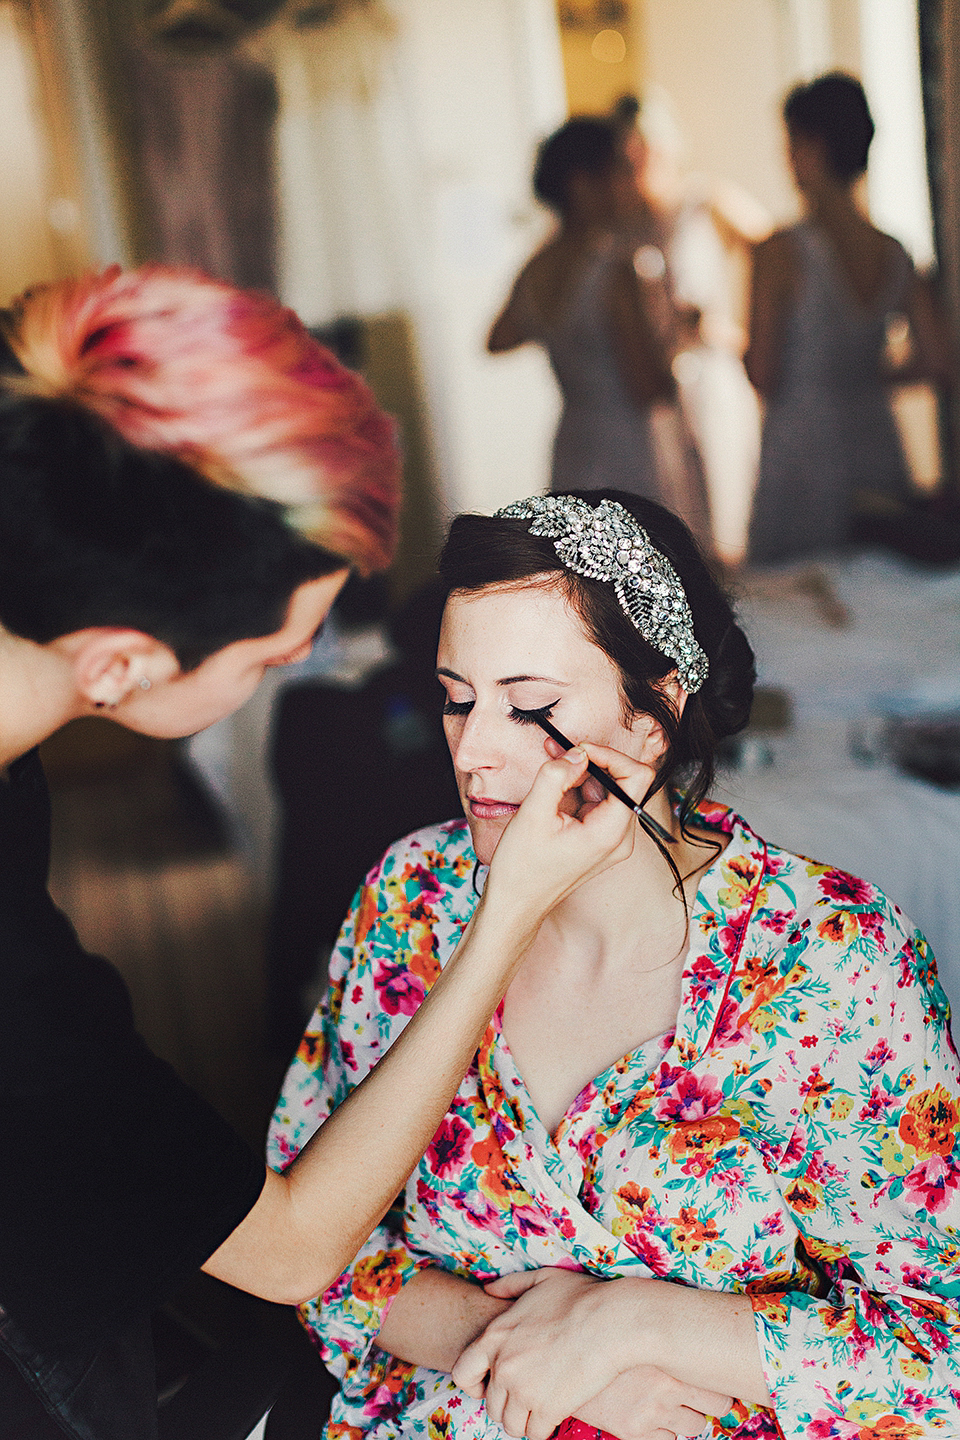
x=509 y=680
x=536 y=679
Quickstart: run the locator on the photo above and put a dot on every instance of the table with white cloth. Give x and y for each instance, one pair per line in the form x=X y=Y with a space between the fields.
x=825 y=795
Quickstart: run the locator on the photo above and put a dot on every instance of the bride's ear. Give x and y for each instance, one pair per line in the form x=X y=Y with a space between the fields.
x=109 y=665
x=654 y=740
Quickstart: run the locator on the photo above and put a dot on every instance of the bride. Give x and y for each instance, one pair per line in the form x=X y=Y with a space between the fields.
x=705 y=1156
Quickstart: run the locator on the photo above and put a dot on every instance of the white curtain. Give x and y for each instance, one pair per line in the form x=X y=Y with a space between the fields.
x=348 y=167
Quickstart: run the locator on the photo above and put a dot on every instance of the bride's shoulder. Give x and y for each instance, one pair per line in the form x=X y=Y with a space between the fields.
x=443 y=851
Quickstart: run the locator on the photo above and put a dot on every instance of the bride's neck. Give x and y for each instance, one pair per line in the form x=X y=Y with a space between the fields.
x=633 y=909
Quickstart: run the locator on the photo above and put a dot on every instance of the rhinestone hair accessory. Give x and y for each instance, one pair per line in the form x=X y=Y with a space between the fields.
x=605 y=542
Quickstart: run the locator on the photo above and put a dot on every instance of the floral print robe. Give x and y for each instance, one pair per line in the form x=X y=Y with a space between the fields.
x=795 y=1138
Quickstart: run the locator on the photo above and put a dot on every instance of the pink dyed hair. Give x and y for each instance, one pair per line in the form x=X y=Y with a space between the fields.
x=229 y=382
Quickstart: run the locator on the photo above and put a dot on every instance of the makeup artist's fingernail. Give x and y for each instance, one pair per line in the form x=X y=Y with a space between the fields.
x=576 y=755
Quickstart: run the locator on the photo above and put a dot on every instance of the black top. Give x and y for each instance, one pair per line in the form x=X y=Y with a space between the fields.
x=117 y=1181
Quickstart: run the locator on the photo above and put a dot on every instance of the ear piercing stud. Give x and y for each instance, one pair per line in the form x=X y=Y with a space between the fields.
x=144 y=683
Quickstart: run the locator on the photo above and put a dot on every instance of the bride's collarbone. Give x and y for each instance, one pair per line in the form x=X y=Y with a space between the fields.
x=597 y=965
x=625 y=1002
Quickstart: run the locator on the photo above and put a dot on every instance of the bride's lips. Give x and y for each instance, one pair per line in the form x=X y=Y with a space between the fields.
x=483 y=808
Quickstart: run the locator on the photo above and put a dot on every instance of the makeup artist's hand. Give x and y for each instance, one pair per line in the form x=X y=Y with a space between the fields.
x=560 y=836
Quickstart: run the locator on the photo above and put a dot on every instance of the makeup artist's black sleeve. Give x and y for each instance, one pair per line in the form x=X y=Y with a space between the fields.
x=116 y=1180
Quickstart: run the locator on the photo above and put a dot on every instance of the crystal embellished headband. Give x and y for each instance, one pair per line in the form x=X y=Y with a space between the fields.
x=605 y=542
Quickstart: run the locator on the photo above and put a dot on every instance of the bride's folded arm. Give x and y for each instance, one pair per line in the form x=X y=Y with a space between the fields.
x=435 y=1317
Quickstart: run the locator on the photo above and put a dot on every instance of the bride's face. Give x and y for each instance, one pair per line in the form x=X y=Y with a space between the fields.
x=504 y=656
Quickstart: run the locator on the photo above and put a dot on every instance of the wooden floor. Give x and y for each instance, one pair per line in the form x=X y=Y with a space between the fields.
x=148 y=881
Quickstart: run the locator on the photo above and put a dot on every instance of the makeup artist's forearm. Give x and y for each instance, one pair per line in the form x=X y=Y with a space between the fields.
x=350 y=1173
x=703 y=1337
x=435 y=1317
x=309 y=1223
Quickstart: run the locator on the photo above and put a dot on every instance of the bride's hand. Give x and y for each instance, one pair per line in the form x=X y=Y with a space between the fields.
x=562 y=1341
x=567 y=1346
x=645 y=1403
x=567 y=830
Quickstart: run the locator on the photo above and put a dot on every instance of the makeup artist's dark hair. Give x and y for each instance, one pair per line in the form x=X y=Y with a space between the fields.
x=96 y=531
x=833 y=109
x=486 y=551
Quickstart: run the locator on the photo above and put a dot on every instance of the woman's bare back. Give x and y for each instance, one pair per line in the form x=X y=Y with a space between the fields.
x=551 y=277
x=864 y=255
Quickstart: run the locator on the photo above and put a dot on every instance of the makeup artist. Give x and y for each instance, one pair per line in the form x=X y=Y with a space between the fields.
x=186 y=479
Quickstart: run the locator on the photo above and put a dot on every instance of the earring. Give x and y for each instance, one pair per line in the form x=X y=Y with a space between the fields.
x=144 y=683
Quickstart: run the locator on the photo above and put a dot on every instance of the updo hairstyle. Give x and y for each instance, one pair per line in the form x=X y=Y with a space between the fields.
x=483 y=551
x=588 y=144
x=833 y=110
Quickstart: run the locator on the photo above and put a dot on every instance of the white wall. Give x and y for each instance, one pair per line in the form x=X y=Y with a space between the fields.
x=486 y=83
x=725 y=68
x=27 y=254
x=896 y=181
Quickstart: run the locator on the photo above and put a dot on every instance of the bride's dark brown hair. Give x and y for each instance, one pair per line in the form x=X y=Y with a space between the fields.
x=483 y=551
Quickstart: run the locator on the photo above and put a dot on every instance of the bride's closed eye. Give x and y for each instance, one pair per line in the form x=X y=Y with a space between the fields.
x=530 y=717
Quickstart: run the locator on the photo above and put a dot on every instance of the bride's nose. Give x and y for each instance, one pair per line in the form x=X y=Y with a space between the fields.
x=481 y=744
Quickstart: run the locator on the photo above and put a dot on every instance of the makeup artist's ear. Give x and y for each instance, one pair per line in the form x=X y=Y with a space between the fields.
x=654 y=741
x=108 y=664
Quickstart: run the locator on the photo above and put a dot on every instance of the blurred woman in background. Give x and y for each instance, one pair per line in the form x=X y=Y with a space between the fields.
x=824 y=292
x=605 y=317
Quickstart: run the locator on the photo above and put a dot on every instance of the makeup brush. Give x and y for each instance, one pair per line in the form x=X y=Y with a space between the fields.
x=652 y=827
